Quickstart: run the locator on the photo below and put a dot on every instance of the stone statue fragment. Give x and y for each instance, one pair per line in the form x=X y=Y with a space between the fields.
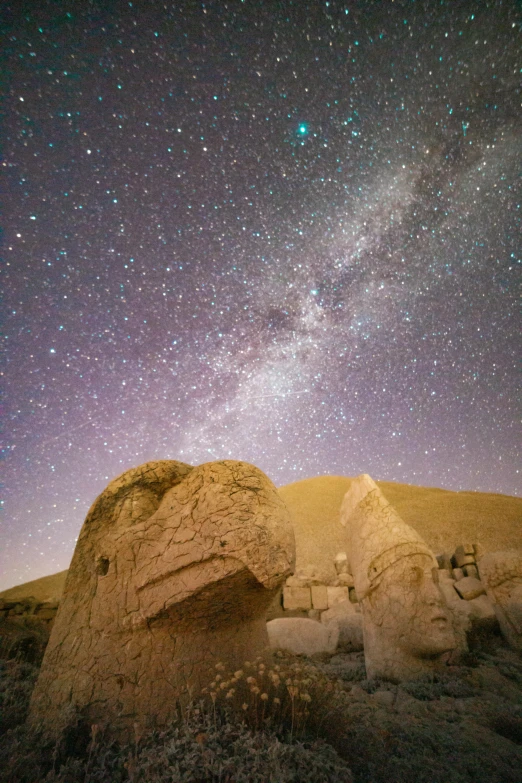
x=406 y=624
x=501 y=572
x=173 y=572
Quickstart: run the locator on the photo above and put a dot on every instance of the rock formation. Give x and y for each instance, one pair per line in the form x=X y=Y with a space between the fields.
x=173 y=571
x=406 y=624
x=502 y=574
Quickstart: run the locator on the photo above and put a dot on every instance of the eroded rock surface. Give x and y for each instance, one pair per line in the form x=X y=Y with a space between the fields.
x=173 y=571
x=406 y=624
x=502 y=574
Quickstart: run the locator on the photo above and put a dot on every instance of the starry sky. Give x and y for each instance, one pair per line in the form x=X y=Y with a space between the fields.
x=282 y=232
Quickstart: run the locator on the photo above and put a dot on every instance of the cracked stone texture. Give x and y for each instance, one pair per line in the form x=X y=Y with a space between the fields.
x=173 y=572
x=501 y=572
x=407 y=626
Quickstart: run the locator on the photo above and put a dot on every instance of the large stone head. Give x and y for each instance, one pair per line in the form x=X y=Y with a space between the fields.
x=502 y=574
x=407 y=626
x=172 y=573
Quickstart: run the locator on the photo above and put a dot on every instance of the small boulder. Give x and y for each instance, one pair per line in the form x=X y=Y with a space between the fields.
x=349 y=622
x=336 y=595
x=302 y=636
x=297 y=598
x=319 y=597
x=482 y=612
x=468 y=587
x=341 y=563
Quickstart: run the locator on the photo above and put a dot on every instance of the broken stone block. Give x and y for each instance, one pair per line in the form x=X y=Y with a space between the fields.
x=302 y=636
x=319 y=597
x=297 y=598
x=353 y=596
x=346 y=580
x=458 y=574
x=341 y=563
x=471 y=570
x=469 y=588
x=482 y=612
x=336 y=595
x=464 y=555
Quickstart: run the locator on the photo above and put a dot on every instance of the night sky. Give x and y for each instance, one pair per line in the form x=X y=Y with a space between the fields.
x=281 y=232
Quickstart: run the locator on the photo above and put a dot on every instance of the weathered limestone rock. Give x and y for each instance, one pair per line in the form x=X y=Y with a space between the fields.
x=501 y=572
x=349 y=621
x=464 y=555
x=444 y=561
x=482 y=612
x=173 y=571
x=336 y=595
x=319 y=597
x=297 y=598
x=302 y=636
x=468 y=587
x=341 y=563
x=406 y=623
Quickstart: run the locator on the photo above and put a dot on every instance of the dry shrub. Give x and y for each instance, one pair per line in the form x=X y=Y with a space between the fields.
x=291 y=698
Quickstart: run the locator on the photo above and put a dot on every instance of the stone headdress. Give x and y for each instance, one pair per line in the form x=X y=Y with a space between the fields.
x=377 y=536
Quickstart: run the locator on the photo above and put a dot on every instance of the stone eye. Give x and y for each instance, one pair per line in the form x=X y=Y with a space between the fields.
x=102 y=566
x=415 y=575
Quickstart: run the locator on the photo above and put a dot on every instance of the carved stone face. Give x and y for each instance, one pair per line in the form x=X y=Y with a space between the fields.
x=172 y=573
x=409 y=609
x=223 y=519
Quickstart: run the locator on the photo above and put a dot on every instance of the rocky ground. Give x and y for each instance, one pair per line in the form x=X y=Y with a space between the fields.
x=462 y=726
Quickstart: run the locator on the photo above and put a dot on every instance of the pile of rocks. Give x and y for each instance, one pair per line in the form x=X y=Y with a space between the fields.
x=333 y=605
x=465 y=593
x=304 y=593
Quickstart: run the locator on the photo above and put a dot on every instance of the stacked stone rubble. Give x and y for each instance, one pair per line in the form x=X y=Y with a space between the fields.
x=465 y=593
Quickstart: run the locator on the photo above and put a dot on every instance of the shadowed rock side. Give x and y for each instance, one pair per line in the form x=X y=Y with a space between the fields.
x=406 y=624
x=502 y=574
x=173 y=571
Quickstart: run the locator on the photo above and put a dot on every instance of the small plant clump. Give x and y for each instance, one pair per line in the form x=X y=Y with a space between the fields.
x=17 y=679
x=291 y=698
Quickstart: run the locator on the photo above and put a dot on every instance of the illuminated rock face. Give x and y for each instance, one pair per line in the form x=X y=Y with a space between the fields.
x=173 y=571
x=502 y=574
x=406 y=624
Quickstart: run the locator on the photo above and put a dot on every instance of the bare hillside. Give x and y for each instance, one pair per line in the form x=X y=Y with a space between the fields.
x=444 y=519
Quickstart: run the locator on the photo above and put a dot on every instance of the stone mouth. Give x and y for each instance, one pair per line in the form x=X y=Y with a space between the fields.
x=166 y=590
